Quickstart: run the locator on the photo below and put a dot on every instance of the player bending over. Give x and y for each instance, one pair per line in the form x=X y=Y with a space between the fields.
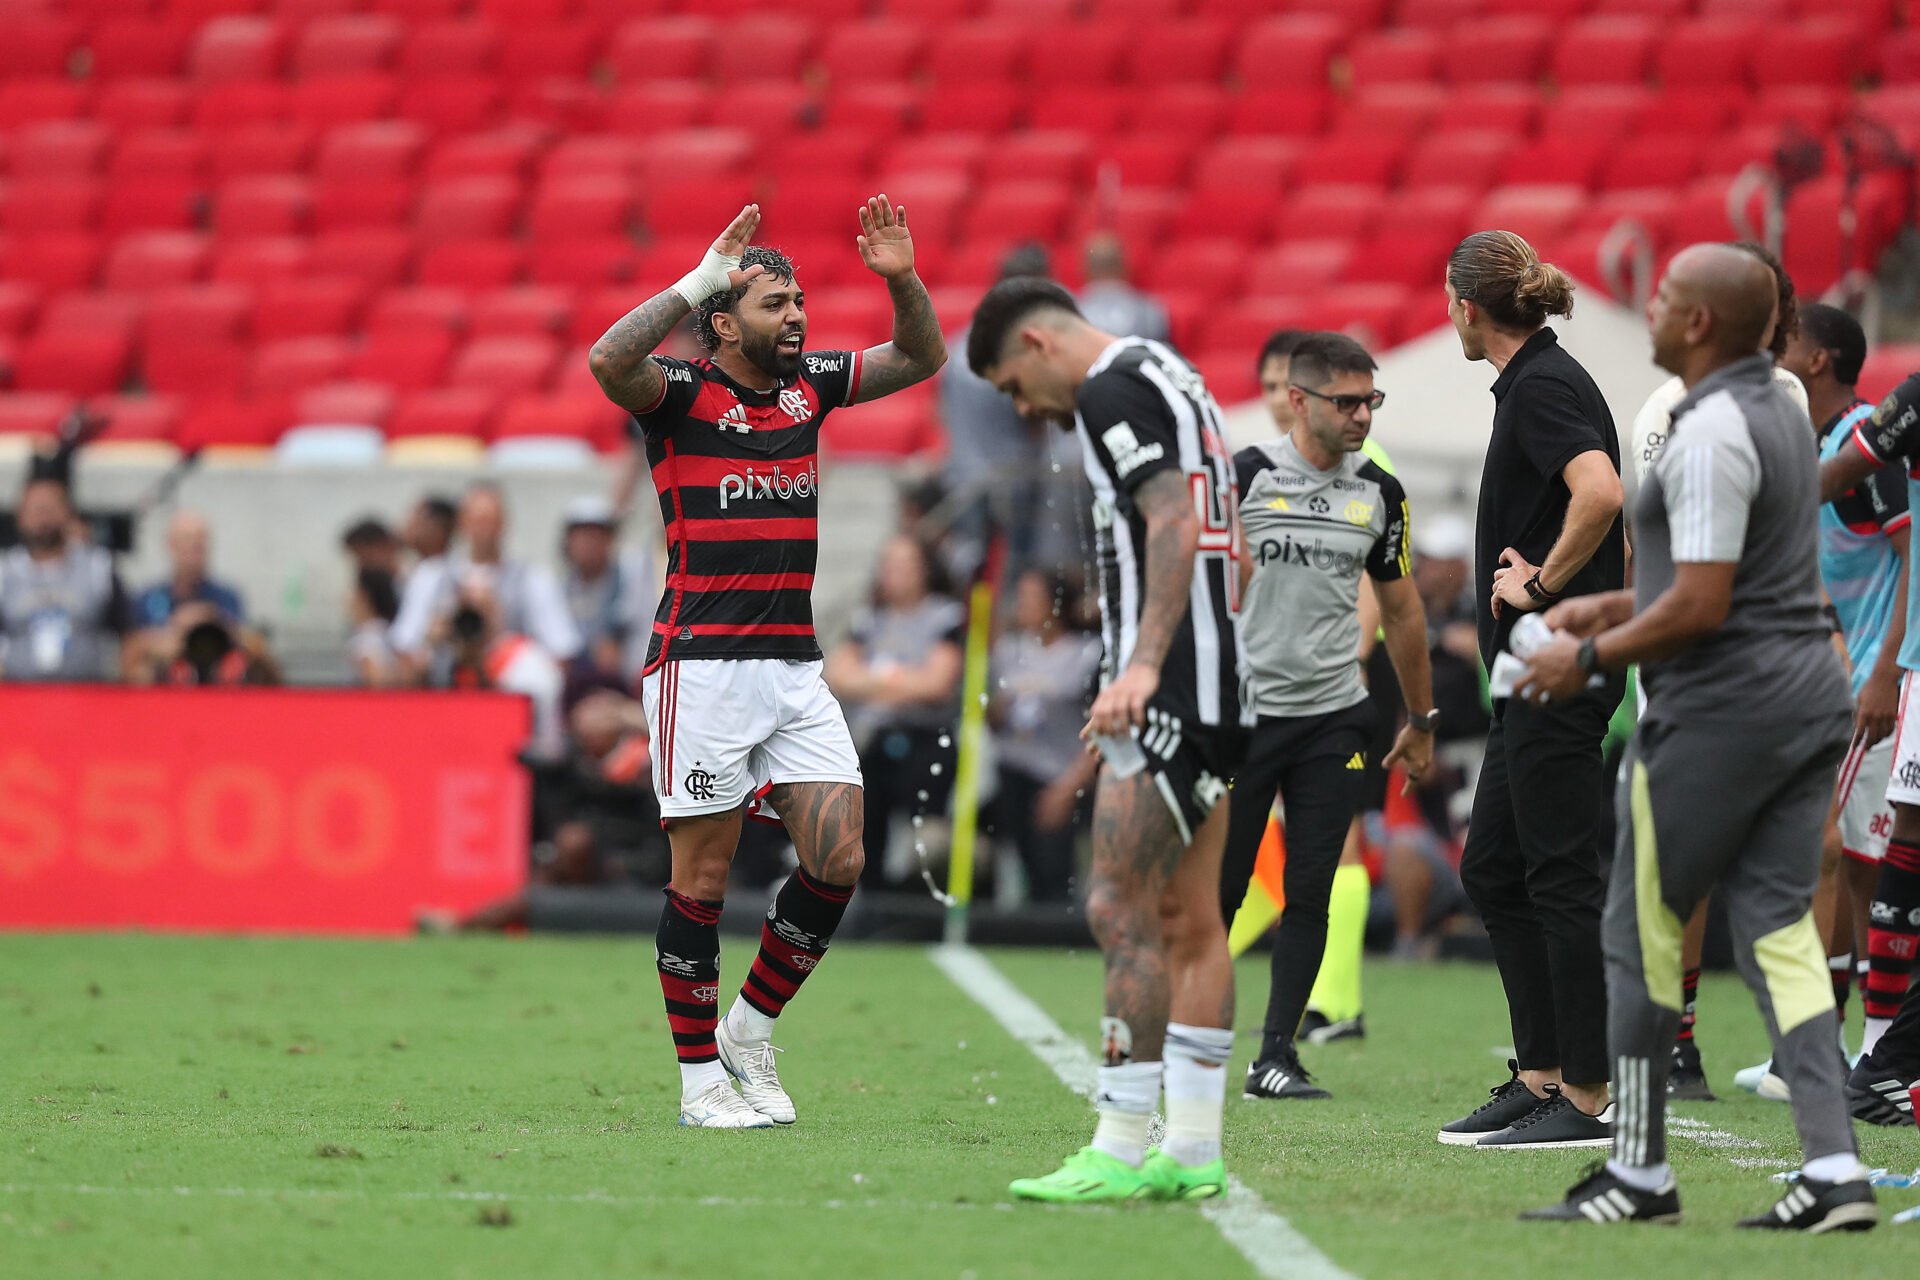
x=733 y=442
x=1167 y=722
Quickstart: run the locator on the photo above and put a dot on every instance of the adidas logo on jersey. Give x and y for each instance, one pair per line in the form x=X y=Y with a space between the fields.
x=735 y=418
x=1357 y=762
x=768 y=484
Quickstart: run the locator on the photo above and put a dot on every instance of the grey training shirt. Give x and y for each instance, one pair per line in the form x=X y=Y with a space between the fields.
x=1736 y=483
x=1311 y=533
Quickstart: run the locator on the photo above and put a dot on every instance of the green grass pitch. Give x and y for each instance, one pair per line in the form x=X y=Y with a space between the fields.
x=179 y=1107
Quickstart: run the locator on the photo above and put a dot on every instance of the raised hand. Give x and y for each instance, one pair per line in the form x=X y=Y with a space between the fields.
x=885 y=244
x=733 y=242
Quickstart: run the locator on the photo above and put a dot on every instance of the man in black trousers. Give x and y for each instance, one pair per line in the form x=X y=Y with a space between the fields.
x=1548 y=528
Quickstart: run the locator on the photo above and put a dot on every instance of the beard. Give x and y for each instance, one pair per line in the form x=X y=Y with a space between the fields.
x=763 y=352
x=50 y=538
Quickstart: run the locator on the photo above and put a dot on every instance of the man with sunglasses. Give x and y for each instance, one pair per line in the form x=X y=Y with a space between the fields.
x=1317 y=514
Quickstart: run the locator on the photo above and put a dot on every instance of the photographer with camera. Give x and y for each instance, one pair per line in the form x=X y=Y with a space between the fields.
x=63 y=611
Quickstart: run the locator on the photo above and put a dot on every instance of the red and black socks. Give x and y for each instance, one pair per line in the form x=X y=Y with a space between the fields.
x=1893 y=928
x=687 y=953
x=799 y=925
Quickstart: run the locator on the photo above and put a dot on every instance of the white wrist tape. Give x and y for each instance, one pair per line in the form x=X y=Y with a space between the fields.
x=707 y=279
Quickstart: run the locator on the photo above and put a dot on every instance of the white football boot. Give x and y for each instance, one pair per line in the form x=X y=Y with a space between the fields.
x=751 y=1063
x=719 y=1107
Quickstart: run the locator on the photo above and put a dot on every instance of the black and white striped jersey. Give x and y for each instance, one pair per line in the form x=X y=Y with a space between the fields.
x=1144 y=410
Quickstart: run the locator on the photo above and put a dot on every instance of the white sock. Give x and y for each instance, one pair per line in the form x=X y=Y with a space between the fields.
x=1876 y=1027
x=1841 y=1166
x=746 y=1023
x=1196 y=1085
x=1642 y=1177
x=1124 y=1099
x=698 y=1077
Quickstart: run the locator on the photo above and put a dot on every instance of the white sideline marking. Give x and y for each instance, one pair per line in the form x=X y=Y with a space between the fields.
x=497 y=1197
x=1268 y=1242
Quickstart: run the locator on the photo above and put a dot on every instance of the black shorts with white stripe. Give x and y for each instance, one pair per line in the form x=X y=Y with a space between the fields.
x=1192 y=765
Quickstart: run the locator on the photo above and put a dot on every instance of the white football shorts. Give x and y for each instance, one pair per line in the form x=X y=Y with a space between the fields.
x=1866 y=815
x=727 y=730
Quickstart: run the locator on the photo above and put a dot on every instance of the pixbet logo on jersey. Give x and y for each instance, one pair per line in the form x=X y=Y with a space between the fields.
x=773 y=483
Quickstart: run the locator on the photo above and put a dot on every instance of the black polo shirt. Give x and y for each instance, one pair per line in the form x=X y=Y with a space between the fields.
x=1547 y=412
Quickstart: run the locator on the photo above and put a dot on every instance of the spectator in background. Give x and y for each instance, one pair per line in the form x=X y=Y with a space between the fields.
x=527 y=597
x=200 y=645
x=1043 y=674
x=189 y=544
x=483 y=654
x=1109 y=301
x=898 y=676
x=372 y=545
x=371 y=609
x=611 y=591
x=63 y=611
x=430 y=527
x=993 y=454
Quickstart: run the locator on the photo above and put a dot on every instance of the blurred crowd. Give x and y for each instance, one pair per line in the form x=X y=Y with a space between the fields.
x=437 y=601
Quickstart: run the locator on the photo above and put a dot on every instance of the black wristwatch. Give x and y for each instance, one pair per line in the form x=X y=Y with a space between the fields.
x=1588 y=657
x=1537 y=591
x=1426 y=722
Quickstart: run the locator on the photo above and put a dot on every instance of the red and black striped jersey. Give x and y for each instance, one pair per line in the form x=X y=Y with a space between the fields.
x=738 y=475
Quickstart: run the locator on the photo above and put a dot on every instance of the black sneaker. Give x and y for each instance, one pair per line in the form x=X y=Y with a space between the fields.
x=1281 y=1076
x=1686 y=1080
x=1878 y=1096
x=1554 y=1124
x=1814 y=1207
x=1507 y=1102
x=1316 y=1028
x=1601 y=1197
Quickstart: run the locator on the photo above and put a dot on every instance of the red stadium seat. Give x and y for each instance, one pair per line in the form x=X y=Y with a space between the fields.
x=455 y=411
x=1702 y=212
x=931 y=10
x=1814 y=108
x=899 y=106
x=1229 y=377
x=234 y=422
x=1651 y=209
x=1709 y=52
x=1821 y=51
x=418 y=309
x=1406 y=55
x=595 y=156
x=1691 y=113
x=1439 y=210
x=1513 y=107
x=81 y=364
x=697 y=207
x=1354 y=157
x=158 y=153
x=1536 y=211
x=237 y=47
x=264 y=206
x=1459 y=156
x=1604 y=50
x=59 y=149
x=1573 y=159
x=1044 y=155
x=1174 y=50
x=849 y=153
x=1329 y=211
x=19 y=304
x=561 y=51
x=407 y=360
x=34 y=413
x=502 y=153
x=528 y=13
x=1415 y=258
x=92 y=311
x=40 y=205
x=336 y=100
x=1900 y=56
x=257 y=259
x=214 y=313
x=574 y=416
x=477 y=263
x=1293 y=50
x=506 y=366
x=35 y=45
x=377 y=149
x=900 y=426
x=1244 y=324
x=130 y=104
x=157 y=260
x=1096 y=110
x=344 y=404
x=665 y=104
x=1399 y=110
x=1296 y=112
x=347 y=44
x=152 y=204
x=581 y=207
x=584 y=264
x=343 y=204
x=879 y=50
x=1150 y=161
x=379 y=256
x=1504 y=50
x=955 y=158
x=1019 y=210
x=465 y=47
x=1195 y=109
x=1296 y=265
x=1239 y=165
x=1887 y=366
x=1379 y=315
x=454 y=103
x=193 y=367
x=137 y=47
x=1657 y=161
x=137 y=418
x=262 y=149
x=312 y=307
x=679 y=47
x=295 y=364
x=1603 y=111
x=463 y=208
x=992 y=50
x=58 y=260
x=692 y=153
x=24 y=101
x=527 y=309
x=781 y=46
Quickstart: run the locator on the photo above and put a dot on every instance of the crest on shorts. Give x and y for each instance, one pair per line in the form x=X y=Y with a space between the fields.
x=699 y=783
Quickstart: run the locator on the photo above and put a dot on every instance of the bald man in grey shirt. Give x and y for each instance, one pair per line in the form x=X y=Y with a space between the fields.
x=1732 y=765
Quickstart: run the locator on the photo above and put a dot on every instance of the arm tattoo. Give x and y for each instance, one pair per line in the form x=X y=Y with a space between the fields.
x=622 y=360
x=917 y=350
x=826 y=821
x=1173 y=535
